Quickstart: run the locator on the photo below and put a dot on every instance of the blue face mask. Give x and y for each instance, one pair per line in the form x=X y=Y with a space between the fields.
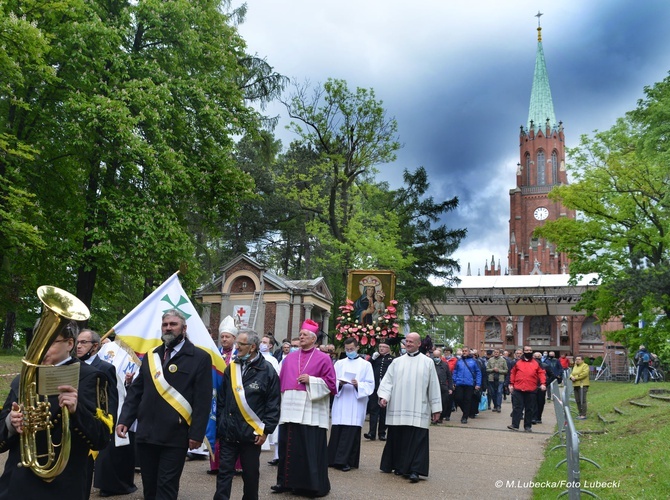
x=403 y=350
x=293 y=349
x=352 y=355
x=244 y=358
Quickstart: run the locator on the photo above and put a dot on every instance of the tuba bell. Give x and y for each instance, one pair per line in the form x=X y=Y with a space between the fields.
x=59 y=308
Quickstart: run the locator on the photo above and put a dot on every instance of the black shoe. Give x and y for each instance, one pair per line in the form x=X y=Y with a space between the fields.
x=447 y=418
x=278 y=488
x=274 y=461
x=369 y=436
x=346 y=468
x=464 y=420
x=512 y=428
x=414 y=477
x=382 y=438
x=535 y=422
x=397 y=472
x=528 y=429
x=212 y=472
x=195 y=456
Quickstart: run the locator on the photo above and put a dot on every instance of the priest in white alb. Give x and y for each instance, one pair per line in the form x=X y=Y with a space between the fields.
x=355 y=383
x=410 y=392
x=307 y=379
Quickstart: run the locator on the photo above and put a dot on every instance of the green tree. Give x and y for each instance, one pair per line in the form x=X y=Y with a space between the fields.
x=621 y=233
x=352 y=135
x=134 y=114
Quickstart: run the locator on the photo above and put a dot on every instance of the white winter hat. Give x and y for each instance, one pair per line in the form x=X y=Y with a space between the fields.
x=228 y=326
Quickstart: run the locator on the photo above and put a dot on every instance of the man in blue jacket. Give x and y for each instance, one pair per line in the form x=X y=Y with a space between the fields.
x=467 y=379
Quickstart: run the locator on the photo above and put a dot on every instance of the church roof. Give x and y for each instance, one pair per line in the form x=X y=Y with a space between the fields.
x=541 y=104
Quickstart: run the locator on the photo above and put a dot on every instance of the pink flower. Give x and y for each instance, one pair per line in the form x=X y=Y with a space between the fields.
x=391 y=309
x=373 y=342
x=364 y=341
x=394 y=302
x=338 y=336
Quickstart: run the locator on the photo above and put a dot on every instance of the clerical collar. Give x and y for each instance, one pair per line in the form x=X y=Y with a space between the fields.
x=307 y=350
x=415 y=353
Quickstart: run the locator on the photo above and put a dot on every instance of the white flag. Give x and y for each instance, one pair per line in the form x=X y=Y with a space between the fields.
x=141 y=328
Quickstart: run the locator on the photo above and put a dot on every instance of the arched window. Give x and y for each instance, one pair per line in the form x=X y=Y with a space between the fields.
x=554 y=168
x=527 y=169
x=541 y=169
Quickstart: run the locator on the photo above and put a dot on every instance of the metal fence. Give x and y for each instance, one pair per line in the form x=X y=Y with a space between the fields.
x=569 y=437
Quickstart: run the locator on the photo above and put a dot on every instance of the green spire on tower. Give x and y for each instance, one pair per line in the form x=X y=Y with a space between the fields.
x=541 y=104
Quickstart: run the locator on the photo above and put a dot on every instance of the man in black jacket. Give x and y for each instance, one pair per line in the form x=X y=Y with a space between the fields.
x=446 y=384
x=171 y=399
x=247 y=412
x=377 y=414
x=86 y=349
x=90 y=429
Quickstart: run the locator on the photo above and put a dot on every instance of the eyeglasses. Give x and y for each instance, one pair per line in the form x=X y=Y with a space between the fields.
x=243 y=344
x=60 y=340
x=84 y=342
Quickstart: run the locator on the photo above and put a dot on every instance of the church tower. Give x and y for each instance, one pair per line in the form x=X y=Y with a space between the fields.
x=541 y=167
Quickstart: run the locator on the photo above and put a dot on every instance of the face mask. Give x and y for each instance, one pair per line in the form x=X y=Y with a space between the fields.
x=528 y=355
x=242 y=359
x=263 y=347
x=293 y=349
x=403 y=350
x=352 y=355
x=551 y=357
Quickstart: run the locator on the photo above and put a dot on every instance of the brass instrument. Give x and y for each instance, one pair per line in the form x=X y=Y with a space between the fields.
x=59 y=308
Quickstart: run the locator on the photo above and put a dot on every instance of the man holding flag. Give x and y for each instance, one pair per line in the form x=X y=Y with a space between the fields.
x=171 y=400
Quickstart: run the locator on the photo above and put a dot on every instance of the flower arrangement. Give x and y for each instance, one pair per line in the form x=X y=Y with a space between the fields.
x=384 y=327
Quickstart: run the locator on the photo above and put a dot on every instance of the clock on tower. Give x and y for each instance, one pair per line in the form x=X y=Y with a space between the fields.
x=541 y=213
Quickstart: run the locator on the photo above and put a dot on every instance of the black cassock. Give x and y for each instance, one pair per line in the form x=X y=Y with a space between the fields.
x=303 y=459
x=115 y=468
x=406 y=450
x=344 y=447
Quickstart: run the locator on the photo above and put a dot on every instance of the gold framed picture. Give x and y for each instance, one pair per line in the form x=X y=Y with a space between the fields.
x=371 y=291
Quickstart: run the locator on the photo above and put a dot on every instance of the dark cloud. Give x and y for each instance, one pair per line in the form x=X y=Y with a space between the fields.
x=458 y=80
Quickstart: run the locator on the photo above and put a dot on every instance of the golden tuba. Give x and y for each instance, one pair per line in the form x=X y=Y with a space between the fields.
x=59 y=308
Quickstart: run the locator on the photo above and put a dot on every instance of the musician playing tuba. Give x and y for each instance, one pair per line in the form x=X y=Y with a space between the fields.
x=89 y=429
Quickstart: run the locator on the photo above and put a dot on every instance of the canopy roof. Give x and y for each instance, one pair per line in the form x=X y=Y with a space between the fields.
x=528 y=295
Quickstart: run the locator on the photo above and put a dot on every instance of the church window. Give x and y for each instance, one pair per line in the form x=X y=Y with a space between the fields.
x=541 y=169
x=527 y=169
x=554 y=168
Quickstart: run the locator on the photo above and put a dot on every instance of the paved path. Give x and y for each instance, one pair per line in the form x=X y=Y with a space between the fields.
x=465 y=462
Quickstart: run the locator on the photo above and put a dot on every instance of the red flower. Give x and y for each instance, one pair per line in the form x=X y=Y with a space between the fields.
x=364 y=340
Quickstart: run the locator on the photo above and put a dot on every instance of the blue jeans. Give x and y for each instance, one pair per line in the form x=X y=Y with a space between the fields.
x=495 y=391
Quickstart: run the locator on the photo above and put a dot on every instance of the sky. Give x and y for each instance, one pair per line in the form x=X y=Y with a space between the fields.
x=457 y=77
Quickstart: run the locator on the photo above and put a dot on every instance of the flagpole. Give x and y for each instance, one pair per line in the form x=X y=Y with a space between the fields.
x=111 y=330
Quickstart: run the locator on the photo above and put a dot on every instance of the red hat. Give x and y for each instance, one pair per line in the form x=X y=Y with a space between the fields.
x=310 y=325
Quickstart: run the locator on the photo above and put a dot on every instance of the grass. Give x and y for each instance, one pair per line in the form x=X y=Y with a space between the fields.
x=9 y=363
x=630 y=450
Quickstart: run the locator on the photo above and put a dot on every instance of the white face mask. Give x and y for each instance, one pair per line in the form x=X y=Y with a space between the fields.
x=263 y=347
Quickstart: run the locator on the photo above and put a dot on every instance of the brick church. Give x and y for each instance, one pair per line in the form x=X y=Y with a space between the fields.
x=541 y=167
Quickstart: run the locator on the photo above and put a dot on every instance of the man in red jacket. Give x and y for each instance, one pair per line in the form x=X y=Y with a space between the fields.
x=525 y=377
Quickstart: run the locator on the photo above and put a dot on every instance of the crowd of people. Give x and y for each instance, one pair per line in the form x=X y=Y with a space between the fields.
x=303 y=400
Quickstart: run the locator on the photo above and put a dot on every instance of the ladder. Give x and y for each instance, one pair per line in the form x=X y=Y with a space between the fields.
x=253 y=313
